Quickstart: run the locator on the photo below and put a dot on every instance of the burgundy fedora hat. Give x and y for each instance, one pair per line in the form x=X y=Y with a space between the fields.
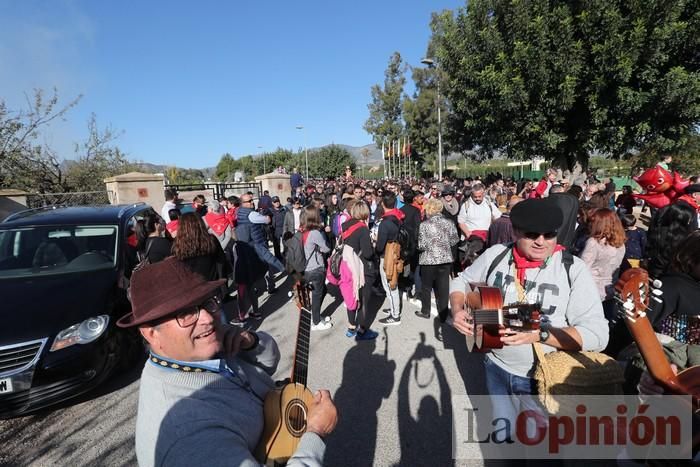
x=163 y=288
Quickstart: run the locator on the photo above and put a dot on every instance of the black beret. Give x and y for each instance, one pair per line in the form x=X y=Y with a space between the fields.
x=694 y=188
x=448 y=190
x=537 y=215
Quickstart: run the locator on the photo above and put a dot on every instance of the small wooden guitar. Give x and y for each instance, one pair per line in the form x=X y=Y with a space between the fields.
x=490 y=316
x=286 y=408
x=634 y=295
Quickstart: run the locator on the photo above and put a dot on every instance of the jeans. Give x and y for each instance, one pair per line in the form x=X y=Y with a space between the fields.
x=317 y=279
x=499 y=382
x=435 y=277
x=393 y=295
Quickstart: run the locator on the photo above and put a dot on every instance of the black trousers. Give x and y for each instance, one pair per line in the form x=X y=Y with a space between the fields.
x=435 y=277
x=317 y=279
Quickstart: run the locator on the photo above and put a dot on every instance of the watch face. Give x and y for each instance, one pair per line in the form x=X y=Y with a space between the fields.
x=544 y=335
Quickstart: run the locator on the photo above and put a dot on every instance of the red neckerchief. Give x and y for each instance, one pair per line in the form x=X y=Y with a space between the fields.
x=352 y=228
x=522 y=264
x=397 y=213
x=420 y=208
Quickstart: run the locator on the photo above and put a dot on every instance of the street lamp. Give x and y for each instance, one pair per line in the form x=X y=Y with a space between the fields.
x=263 y=154
x=306 y=150
x=431 y=64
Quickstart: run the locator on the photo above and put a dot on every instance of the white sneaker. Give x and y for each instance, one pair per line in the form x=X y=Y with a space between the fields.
x=322 y=326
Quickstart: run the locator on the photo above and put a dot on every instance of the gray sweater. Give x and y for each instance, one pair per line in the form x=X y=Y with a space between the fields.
x=579 y=307
x=187 y=418
x=314 y=248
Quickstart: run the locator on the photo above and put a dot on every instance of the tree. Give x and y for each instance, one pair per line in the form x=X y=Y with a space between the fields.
x=25 y=162
x=96 y=159
x=560 y=79
x=330 y=161
x=226 y=168
x=420 y=110
x=384 y=122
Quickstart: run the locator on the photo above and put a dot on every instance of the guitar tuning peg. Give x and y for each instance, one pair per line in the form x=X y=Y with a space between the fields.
x=657 y=299
x=628 y=306
x=657 y=284
x=657 y=292
x=642 y=314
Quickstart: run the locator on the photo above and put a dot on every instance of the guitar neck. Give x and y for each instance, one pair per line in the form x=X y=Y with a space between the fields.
x=300 y=370
x=652 y=352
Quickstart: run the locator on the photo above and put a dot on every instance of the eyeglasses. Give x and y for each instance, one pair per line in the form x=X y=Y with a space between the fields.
x=536 y=235
x=188 y=317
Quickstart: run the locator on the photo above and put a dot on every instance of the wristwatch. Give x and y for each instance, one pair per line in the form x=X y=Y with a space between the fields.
x=544 y=332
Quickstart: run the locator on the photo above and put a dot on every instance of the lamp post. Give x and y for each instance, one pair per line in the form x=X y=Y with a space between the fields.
x=263 y=154
x=306 y=150
x=431 y=64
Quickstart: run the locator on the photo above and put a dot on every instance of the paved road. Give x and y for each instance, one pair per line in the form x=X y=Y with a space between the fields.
x=394 y=396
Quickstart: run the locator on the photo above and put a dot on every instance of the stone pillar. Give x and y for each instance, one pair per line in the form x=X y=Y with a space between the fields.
x=12 y=201
x=277 y=184
x=136 y=187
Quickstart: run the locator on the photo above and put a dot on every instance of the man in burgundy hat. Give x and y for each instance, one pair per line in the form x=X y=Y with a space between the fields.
x=203 y=386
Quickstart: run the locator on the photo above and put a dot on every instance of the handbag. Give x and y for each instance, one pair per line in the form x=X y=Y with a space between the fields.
x=573 y=373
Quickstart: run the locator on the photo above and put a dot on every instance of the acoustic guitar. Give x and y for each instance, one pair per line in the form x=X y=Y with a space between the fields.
x=489 y=316
x=634 y=294
x=286 y=408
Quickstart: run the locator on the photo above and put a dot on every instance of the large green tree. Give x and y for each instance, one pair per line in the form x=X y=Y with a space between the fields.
x=330 y=161
x=385 y=120
x=560 y=79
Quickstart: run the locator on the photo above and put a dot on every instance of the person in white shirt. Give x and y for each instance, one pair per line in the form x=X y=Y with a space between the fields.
x=474 y=219
x=170 y=203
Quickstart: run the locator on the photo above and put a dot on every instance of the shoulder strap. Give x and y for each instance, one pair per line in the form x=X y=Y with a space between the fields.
x=567 y=260
x=498 y=259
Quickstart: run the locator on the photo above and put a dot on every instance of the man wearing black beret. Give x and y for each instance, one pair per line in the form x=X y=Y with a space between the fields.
x=535 y=269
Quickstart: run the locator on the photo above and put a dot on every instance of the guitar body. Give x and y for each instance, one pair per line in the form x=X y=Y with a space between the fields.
x=286 y=408
x=490 y=316
x=486 y=335
x=286 y=411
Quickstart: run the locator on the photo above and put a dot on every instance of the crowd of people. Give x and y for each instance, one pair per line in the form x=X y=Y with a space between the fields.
x=548 y=242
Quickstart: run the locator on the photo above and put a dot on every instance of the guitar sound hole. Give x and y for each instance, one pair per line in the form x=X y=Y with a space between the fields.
x=296 y=417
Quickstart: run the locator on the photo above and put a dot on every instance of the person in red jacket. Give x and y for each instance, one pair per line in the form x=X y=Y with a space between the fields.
x=542 y=188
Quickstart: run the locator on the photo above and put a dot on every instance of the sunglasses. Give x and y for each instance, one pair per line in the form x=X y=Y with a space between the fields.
x=536 y=235
x=189 y=316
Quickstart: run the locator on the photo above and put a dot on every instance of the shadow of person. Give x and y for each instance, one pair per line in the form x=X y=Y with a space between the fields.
x=426 y=439
x=368 y=379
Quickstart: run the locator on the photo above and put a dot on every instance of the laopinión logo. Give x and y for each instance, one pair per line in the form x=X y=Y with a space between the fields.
x=584 y=427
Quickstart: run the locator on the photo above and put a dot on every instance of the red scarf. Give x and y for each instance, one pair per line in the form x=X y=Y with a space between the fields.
x=522 y=264
x=397 y=213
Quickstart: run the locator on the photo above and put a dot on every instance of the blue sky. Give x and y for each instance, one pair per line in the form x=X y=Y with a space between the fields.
x=188 y=81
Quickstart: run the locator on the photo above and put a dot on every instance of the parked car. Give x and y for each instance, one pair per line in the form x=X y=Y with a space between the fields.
x=63 y=278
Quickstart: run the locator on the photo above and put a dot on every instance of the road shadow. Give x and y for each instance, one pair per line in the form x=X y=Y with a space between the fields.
x=368 y=379
x=427 y=438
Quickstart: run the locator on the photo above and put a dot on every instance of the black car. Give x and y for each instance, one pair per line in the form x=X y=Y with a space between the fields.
x=63 y=278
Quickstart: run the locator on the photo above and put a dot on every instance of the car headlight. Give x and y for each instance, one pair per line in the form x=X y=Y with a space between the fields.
x=81 y=333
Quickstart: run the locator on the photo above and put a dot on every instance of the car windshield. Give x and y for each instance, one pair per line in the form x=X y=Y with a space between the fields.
x=53 y=249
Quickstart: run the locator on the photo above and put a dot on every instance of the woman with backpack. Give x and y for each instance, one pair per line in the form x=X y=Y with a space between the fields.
x=315 y=246
x=356 y=236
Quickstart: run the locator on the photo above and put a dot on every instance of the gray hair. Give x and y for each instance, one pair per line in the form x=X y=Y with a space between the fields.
x=478 y=186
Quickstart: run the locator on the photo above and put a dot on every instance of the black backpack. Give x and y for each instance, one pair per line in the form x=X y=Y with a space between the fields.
x=295 y=259
x=407 y=241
